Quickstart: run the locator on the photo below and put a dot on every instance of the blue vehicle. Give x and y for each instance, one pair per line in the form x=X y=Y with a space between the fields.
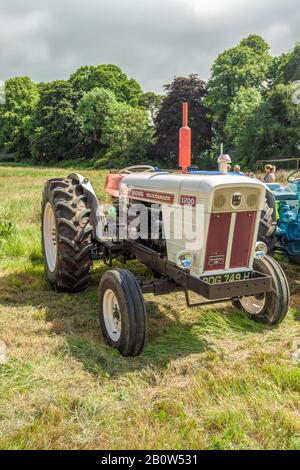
x=280 y=224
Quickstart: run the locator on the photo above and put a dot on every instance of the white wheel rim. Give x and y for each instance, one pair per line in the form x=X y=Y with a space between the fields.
x=50 y=238
x=112 y=315
x=254 y=304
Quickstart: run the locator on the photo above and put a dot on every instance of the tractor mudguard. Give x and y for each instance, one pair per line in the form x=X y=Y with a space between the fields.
x=92 y=203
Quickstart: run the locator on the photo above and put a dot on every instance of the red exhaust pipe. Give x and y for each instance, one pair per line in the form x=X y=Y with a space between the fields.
x=185 y=142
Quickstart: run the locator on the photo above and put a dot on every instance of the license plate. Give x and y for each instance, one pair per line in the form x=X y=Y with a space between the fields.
x=230 y=277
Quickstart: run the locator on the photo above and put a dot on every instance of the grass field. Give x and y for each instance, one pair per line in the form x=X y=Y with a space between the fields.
x=208 y=379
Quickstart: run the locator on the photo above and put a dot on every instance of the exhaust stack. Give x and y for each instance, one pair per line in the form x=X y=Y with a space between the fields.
x=185 y=142
x=224 y=161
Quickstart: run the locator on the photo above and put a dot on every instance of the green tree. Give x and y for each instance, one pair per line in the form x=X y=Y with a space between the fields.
x=242 y=110
x=272 y=131
x=284 y=130
x=110 y=77
x=114 y=129
x=276 y=69
x=152 y=102
x=290 y=70
x=246 y=65
x=169 y=120
x=21 y=100
x=55 y=130
x=127 y=134
x=256 y=43
x=93 y=109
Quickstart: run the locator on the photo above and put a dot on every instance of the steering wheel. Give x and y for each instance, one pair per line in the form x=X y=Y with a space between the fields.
x=291 y=178
x=137 y=169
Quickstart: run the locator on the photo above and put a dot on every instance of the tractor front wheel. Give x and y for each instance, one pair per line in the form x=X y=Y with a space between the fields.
x=122 y=312
x=66 y=235
x=272 y=307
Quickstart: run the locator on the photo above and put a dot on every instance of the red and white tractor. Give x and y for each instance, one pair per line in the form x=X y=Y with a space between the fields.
x=196 y=231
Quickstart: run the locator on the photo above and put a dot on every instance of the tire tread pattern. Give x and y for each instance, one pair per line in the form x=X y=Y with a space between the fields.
x=134 y=315
x=278 y=300
x=74 y=234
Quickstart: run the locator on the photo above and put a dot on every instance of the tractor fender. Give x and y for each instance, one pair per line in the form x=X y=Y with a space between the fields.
x=92 y=203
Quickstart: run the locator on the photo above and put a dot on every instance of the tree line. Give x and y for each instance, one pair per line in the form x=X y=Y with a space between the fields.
x=99 y=115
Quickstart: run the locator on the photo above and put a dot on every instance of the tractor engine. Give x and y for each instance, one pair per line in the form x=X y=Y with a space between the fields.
x=288 y=222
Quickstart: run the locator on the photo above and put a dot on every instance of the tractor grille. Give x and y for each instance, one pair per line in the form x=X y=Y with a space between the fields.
x=243 y=239
x=230 y=241
x=217 y=242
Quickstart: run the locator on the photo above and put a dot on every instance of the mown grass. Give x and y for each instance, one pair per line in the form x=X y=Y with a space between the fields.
x=208 y=379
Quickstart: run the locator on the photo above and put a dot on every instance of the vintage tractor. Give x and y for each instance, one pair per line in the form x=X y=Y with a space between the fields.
x=194 y=231
x=280 y=226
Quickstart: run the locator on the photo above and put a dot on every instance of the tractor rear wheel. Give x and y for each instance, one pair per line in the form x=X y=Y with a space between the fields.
x=267 y=227
x=272 y=307
x=66 y=235
x=122 y=312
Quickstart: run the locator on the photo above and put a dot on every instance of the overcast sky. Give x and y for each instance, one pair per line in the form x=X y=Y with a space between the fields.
x=151 y=40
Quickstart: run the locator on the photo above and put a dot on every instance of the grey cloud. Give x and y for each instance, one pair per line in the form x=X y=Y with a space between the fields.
x=151 y=41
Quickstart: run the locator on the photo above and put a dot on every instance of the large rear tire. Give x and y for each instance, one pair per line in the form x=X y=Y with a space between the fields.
x=271 y=308
x=66 y=235
x=122 y=312
x=267 y=227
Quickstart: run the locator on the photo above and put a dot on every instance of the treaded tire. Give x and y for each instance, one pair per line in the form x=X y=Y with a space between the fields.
x=278 y=300
x=267 y=227
x=73 y=235
x=132 y=311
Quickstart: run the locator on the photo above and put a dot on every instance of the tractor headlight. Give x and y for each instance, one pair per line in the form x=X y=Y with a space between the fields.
x=219 y=202
x=252 y=201
x=185 y=259
x=261 y=250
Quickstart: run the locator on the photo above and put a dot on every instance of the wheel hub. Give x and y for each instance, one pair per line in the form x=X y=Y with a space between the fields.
x=112 y=315
x=254 y=304
x=50 y=237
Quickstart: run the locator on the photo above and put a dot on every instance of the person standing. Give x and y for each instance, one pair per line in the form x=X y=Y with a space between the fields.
x=270 y=176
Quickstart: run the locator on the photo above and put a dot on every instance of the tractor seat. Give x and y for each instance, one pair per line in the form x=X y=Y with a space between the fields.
x=274 y=186
x=284 y=195
x=112 y=184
